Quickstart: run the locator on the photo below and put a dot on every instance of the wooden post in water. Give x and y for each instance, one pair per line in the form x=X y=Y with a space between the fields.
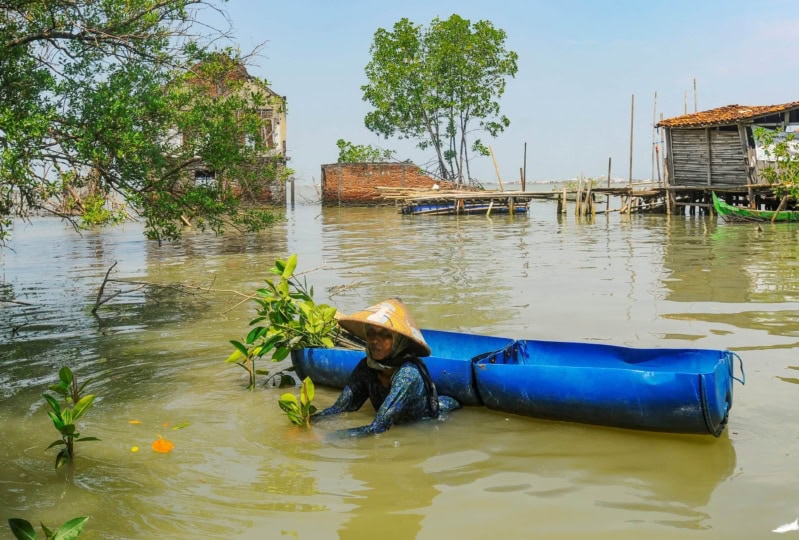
x=654 y=134
x=607 y=197
x=524 y=171
x=496 y=168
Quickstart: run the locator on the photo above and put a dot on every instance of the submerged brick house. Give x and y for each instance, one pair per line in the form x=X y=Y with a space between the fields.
x=273 y=114
x=355 y=183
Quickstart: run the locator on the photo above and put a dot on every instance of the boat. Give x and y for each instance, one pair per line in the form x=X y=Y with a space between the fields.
x=671 y=390
x=461 y=206
x=732 y=213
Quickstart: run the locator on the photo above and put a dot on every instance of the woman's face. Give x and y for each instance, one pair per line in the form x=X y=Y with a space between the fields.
x=379 y=341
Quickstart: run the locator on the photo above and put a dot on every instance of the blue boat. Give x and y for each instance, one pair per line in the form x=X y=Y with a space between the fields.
x=668 y=390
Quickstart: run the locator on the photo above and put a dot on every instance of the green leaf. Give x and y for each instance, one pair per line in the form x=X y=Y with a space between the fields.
x=82 y=406
x=59 y=389
x=307 y=391
x=286 y=381
x=280 y=354
x=58 y=422
x=65 y=374
x=241 y=348
x=71 y=529
x=53 y=403
x=288 y=399
x=22 y=529
x=234 y=357
x=291 y=265
x=59 y=442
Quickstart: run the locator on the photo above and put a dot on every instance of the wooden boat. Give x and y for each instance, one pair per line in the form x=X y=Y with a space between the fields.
x=732 y=213
x=454 y=207
x=669 y=390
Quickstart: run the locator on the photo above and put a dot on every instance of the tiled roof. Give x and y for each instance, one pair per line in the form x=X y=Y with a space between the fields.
x=729 y=114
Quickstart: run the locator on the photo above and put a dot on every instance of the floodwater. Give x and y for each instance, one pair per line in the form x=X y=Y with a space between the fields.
x=155 y=357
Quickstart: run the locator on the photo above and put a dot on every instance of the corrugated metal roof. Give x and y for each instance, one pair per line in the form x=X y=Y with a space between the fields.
x=729 y=114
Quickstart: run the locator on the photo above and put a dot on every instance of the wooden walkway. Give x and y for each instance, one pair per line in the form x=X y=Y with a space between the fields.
x=438 y=202
x=586 y=199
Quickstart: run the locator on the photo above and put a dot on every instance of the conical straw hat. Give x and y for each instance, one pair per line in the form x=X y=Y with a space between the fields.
x=392 y=315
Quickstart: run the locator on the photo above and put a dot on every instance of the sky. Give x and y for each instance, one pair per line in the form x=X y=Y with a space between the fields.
x=581 y=63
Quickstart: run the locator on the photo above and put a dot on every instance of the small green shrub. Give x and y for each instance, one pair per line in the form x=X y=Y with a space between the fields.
x=299 y=410
x=288 y=319
x=64 y=418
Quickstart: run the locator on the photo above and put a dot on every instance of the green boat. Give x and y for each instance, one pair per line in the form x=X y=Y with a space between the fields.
x=729 y=212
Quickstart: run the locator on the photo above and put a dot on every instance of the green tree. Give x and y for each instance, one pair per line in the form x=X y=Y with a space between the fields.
x=360 y=153
x=781 y=148
x=94 y=94
x=439 y=85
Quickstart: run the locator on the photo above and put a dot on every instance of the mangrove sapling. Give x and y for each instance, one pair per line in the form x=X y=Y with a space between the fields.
x=23 y=530
x=64 y=418
x=288 y=319
x=299 y=411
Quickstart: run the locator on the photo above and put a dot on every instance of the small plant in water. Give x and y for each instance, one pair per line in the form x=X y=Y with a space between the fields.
x=299 y=411
x=288 y=319
x=23 y=530
x=64 y=418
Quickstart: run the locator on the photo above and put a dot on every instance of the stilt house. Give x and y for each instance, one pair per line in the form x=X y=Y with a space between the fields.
x=717 y=148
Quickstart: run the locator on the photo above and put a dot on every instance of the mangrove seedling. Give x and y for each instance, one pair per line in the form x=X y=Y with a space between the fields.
x=64 y=418
x=288 y=319
x=299 y=411
x=23 y=530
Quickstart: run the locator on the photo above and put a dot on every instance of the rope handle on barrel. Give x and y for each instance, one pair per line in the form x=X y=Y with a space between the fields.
x=732 y=355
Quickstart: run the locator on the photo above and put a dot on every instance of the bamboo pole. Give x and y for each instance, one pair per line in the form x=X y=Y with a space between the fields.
x=654 y=134
x=524 y=171
x=496 y=168
x=607 y=197
x=632 y=123
x=779 y=208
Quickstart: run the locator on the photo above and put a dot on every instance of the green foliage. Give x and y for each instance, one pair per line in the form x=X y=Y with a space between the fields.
x=358 y=153
x=781 y=149
x=288 y=319
x=95 y=95
x=433 y=84
x=64 y=418
x=97 y=213
x=299 y=410
x=71 y=529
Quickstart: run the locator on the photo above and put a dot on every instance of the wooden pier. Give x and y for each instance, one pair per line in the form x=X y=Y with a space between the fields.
x=456 y=202
x=585 y=199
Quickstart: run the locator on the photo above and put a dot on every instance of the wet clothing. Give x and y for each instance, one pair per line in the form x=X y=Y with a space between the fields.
x=412 y=396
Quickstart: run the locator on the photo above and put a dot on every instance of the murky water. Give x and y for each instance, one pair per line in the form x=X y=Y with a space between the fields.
x=239 y=470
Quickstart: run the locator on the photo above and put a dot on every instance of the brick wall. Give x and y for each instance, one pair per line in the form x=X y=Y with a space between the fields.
x=354 y=183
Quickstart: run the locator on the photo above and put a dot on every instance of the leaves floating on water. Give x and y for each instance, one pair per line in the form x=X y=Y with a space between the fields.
x=163 y=446
x=134 y=422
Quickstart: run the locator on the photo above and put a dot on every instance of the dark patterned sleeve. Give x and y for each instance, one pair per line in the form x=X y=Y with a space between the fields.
x=406 y=402
x=354 y=395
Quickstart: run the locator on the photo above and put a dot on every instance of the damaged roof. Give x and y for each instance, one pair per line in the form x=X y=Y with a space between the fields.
x=729 y=114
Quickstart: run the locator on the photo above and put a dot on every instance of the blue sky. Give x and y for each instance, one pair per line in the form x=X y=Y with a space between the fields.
x=580 y=62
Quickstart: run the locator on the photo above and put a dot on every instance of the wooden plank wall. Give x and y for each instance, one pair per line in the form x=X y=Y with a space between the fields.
x=689 y=153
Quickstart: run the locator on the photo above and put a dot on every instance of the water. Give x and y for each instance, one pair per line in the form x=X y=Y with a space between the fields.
x=240 y=470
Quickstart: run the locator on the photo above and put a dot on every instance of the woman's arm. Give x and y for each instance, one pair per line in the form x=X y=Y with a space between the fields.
x=354 y=395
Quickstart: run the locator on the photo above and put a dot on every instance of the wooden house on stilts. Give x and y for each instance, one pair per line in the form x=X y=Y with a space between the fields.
x=716 y=150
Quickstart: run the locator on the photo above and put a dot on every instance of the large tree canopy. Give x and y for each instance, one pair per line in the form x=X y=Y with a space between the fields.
x=439 y=85
x=118 y=96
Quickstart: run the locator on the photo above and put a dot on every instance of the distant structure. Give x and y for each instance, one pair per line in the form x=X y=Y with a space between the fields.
x=273 y=113
x=357 y=183
x=717 y=148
